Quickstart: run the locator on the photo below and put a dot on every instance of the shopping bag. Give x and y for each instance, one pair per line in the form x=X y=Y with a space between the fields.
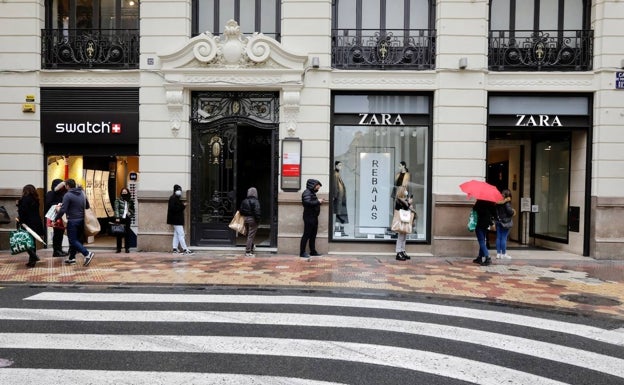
x=238 y=223
x=4 y=216
x=398 y=225
x=117 y=228
x=472 y=221
x=51 y=214
x=405 y=215
x=21 y=241
x=91 y=223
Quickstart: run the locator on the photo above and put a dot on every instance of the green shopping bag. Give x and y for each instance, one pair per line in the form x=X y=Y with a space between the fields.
x=472 y=221
x=20 y=241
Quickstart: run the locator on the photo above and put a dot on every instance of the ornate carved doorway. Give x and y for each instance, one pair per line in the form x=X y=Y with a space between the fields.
x=235 y=146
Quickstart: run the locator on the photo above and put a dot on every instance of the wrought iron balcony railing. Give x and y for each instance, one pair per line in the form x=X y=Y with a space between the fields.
x=89 y=48
x=567 y=50
x=408 y=49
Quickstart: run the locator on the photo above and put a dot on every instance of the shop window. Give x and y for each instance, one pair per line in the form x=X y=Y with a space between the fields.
x=252 y=16
x=372 y=135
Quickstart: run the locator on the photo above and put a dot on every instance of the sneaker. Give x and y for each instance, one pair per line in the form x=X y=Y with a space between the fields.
x=505 y=256
x=250 y=255
x=188 y=252
x=70 y=261
x=175 y=251
x=304 y=255
x=399 y=257
x=88 y=258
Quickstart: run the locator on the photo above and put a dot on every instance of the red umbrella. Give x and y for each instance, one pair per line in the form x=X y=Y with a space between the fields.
x=481 y=190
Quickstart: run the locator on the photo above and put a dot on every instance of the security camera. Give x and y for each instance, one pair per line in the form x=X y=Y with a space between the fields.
x=203 y=114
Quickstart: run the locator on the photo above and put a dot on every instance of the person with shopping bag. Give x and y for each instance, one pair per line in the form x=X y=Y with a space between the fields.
x=124 y=212
x=53 y=198
x=28 y=214
x=402 y=203
x=74 y=206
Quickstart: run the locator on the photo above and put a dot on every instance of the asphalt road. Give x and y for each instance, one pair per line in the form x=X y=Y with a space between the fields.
x=91 y=335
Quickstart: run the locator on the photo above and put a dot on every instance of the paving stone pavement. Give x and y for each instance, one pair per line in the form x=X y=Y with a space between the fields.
x=577 y=285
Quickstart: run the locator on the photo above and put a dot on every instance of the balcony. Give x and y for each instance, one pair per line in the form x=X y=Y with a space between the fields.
x=568 y=50
x=90 y=48
x=410 y=49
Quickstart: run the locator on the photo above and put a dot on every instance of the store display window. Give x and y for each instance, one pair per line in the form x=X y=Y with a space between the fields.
x=380 y=142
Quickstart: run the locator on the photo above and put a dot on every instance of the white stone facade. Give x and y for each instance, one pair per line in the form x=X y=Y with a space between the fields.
x=172 y=65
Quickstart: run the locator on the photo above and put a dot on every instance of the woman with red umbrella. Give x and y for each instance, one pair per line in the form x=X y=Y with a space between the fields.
x=485 y=214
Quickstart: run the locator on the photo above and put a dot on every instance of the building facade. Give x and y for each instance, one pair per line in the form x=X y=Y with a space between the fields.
x=218 y=96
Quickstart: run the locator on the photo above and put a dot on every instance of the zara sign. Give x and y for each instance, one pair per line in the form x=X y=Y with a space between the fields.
x=538 y=121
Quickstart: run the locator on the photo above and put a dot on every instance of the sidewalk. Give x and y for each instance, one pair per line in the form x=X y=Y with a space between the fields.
x=580 y=285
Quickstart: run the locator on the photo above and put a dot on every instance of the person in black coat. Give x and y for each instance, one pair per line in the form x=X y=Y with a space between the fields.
x=28 y=214
x=250 y=209
x=53 y=198
x=485 y=213
x=175 y=217
x=311 y=210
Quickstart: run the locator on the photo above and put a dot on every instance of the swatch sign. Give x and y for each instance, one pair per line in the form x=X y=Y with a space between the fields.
x=95 y=128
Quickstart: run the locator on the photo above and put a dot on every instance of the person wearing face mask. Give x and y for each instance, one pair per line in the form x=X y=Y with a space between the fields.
x=124 y=211
x=175 y=217
x=311 y=210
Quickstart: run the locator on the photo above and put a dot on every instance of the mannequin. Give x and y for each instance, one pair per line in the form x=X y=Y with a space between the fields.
x=402 y=178
x=339 y=201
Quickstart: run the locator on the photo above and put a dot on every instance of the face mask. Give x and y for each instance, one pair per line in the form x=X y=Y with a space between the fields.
x=178 y=193
x=125 y=196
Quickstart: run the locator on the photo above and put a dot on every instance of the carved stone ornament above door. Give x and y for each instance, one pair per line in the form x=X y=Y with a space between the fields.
x=232 y=61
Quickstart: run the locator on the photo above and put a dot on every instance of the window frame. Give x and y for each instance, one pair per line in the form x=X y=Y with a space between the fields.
x=218 y=25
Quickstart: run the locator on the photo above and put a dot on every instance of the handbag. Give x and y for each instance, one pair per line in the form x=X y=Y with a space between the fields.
x=405 y=215
x=20 y=241
x=238 y=223
x=472 y=220
x=398 y=225
x=4 y=216
x=508 y=224
x=91 y=223
x=117 y=228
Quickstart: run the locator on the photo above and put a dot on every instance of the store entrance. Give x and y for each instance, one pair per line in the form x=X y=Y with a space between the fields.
x=228 y=159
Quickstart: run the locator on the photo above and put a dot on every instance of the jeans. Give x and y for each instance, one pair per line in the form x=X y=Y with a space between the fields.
x=501 y=239
x=178 y=237
x=75 y=229
x=252 y=227
x=481 y=236
x=310 y=228
x=400 y=242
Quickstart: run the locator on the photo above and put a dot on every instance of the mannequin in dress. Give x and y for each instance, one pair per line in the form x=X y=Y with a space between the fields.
x=339 y=200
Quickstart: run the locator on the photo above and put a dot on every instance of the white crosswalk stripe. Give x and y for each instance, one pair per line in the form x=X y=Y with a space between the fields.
x=428 y=348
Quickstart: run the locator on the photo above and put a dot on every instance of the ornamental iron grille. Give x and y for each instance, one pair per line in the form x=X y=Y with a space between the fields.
x=386 y=50
x=90 y=48
x=260 y=108
x=570 y=50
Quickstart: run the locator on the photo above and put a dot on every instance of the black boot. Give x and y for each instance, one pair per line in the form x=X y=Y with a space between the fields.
x=399 y=257
x=32 y=260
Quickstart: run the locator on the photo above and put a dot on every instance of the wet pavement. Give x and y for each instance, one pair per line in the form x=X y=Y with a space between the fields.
x=555 y=281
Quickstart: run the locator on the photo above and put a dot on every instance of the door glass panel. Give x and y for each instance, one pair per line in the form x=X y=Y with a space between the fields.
x=549 y=9
x=84 y=14
x=370 y=14
x=347 y=12
x=419 y=14
x=499 y=17
x=552 y=175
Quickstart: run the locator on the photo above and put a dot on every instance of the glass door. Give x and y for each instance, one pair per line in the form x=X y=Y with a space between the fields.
x=552 y=188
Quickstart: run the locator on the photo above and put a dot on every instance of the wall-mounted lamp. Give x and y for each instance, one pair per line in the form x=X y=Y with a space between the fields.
x=463 y=63
x=315 y=62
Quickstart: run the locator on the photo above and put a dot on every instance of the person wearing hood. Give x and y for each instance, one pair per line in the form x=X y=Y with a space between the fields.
x=250 y=209
x=311 y=210
x=28 y=214
x=175 y=217
x=74 y=204
x=53 y=198
x=124 y=212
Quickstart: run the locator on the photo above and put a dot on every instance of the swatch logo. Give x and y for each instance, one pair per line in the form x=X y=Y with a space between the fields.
x=89 y=128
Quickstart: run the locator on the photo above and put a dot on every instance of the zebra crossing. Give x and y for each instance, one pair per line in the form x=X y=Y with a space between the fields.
x=106 y=337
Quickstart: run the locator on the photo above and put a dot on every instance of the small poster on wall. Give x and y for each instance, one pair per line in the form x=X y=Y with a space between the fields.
x=88 y=188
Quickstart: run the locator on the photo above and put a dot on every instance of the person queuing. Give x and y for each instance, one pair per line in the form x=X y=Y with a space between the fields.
x=28 y=214
x=175 y=217
x=124 y=212
x=250 y=209
x=311 y=210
